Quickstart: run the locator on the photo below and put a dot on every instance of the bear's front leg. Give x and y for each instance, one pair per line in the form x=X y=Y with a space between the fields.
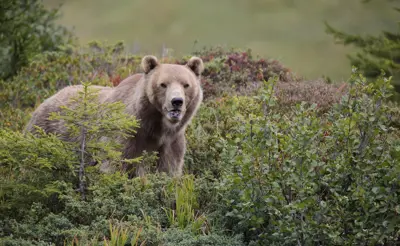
x=172 y=155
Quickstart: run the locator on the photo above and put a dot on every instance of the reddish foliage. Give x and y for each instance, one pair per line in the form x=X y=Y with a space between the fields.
x=237 y=71
x=115 y=79
x=315 y=91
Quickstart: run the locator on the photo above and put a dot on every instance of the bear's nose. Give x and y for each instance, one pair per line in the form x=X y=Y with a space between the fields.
x=177 y=102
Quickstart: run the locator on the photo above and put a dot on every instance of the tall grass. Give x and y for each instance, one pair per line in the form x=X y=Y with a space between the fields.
x=119 y=236
x=184 y=214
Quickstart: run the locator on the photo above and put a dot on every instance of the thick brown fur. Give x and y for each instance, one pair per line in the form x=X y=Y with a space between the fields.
x=147 y=96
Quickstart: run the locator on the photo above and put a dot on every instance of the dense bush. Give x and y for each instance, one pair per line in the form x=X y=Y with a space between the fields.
x=31 y=170
x=297 y=178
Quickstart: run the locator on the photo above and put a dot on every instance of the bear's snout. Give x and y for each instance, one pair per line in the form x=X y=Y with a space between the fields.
x=177 y=102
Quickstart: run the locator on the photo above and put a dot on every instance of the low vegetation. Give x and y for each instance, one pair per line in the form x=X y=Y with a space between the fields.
x=271 y=160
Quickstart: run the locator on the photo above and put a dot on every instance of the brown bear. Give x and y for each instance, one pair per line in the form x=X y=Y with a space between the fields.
x=164 y=99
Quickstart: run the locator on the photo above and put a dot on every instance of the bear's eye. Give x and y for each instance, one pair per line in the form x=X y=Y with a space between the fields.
x=186 y=86
x=163 y=85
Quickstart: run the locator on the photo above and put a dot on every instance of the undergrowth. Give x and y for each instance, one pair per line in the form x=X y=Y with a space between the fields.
x=271 y=160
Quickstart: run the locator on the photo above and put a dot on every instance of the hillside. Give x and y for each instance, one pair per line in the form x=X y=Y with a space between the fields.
x=272 y=158
x=291 y=31
x=261 y=165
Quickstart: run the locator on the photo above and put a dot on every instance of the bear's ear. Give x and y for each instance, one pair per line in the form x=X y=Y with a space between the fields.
x=196 y=65
x=149 y=63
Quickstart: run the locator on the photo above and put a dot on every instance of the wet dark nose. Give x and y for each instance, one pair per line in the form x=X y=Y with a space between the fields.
x=177 y=102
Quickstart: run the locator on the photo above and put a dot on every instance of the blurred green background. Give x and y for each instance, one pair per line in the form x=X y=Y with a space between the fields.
x=291 y=31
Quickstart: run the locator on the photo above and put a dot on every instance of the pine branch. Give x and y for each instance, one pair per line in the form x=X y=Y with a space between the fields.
x=83 y=147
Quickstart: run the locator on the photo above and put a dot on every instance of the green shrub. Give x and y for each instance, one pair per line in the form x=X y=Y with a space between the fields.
x=302 y=179
x=14 y=118
x=32 y=170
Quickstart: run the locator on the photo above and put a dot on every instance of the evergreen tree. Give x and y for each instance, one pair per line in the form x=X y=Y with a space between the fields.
x=377 y=53
x=93 y=128
x=27 y=28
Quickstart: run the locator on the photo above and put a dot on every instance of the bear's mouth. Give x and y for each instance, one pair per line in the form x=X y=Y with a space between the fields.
x=174 y=114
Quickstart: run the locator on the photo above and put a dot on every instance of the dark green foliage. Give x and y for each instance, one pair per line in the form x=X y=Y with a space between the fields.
x=33 y=170
x=27 y=29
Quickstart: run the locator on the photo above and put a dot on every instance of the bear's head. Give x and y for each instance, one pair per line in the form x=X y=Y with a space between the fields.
x=173 y=89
